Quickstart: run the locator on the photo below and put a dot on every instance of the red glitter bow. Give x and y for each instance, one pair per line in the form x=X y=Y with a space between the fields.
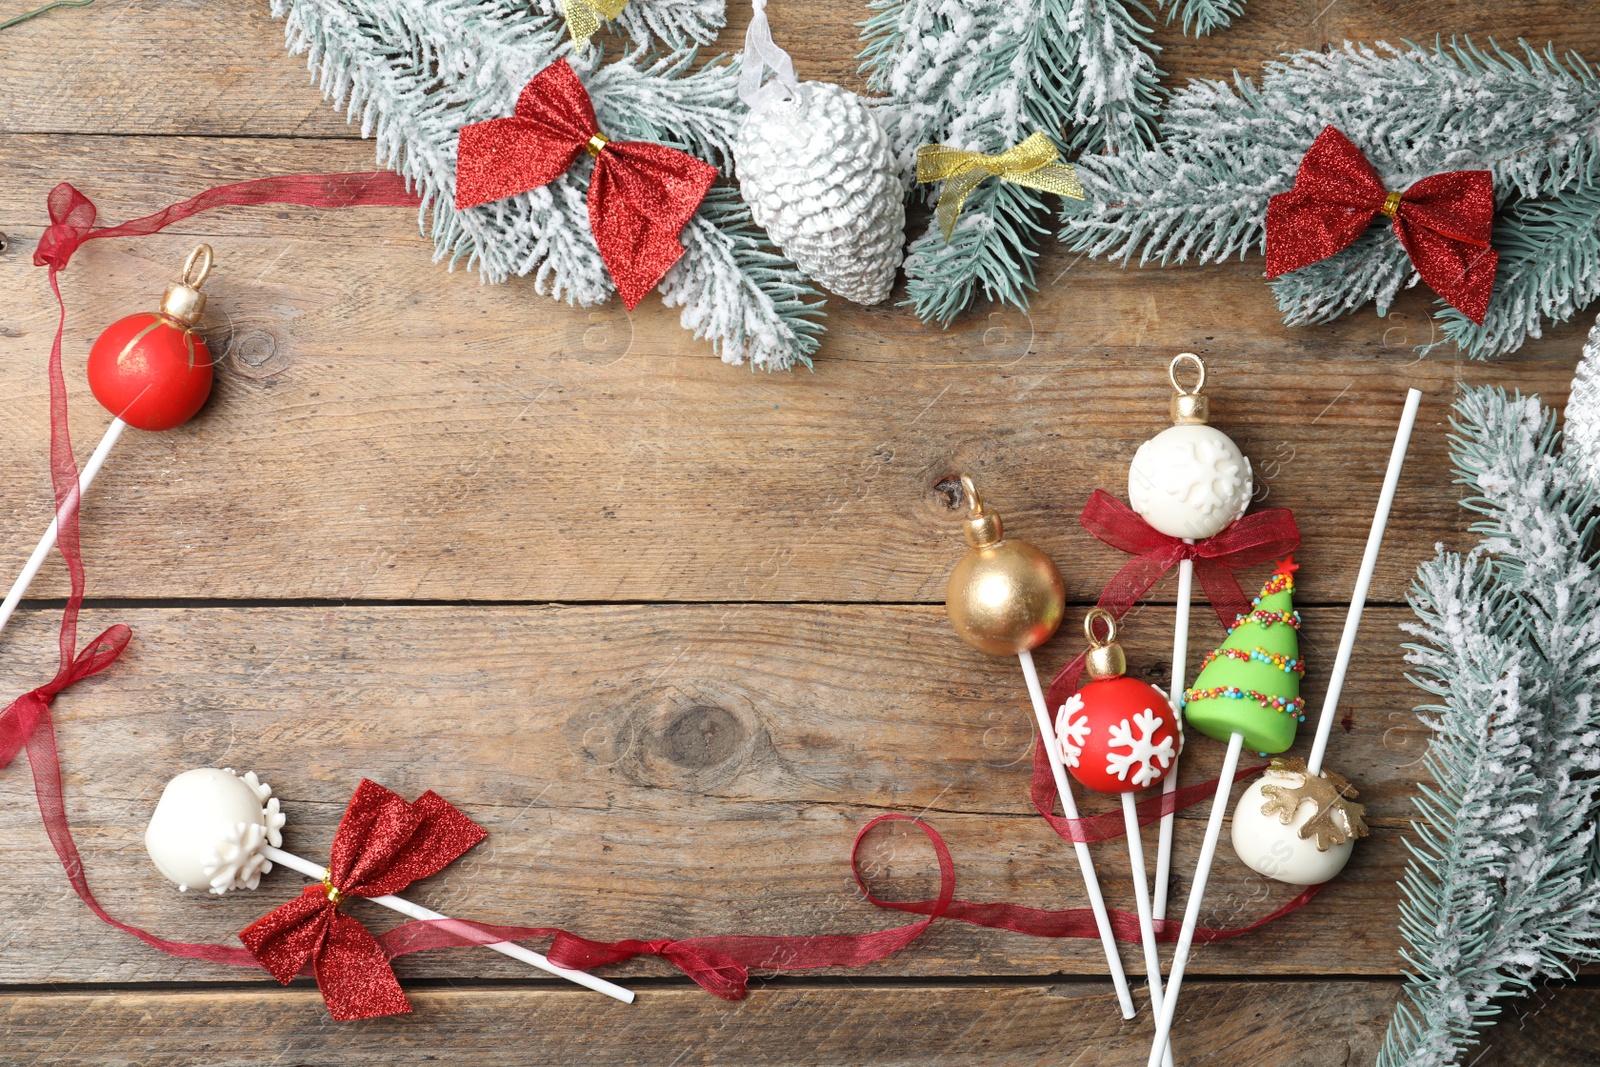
x=1443 y=221
x=641 y=194
x=383 y=845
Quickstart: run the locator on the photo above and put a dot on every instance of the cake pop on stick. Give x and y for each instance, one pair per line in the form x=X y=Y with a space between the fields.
x=1121 y=735
x=1006 y=598
x=215 y=829
x=1189 y=481
x=152 y=371
x=1248 y=690
x=1298 y=824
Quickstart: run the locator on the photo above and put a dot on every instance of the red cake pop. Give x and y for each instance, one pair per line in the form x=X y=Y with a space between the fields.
x=1118 y=734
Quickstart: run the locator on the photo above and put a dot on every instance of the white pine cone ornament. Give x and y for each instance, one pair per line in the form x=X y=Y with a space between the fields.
x=818 y=176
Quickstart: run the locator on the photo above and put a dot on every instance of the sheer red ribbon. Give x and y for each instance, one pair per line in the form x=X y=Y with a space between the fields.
x=719 y=964
x=1250 y=539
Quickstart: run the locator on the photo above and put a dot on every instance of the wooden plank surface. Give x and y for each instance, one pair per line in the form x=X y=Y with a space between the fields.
x=1307 y=1024
x=1063 y=1023
x=649 y=771
x=713 y=646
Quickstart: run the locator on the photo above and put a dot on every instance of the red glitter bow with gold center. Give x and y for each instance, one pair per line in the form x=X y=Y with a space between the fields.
x=383 y=845
x=1443 y=221
x=641 y=194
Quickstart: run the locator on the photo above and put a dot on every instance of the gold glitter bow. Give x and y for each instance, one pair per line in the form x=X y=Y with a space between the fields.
x=584 y=17
x=1031 y=163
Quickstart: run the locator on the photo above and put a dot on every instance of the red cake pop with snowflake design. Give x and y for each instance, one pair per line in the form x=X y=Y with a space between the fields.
x=1118 y=734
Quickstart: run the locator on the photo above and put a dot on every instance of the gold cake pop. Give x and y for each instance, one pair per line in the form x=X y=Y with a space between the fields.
x=1005 y=596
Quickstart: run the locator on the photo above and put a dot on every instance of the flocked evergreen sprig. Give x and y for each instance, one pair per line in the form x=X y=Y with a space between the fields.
x=982 y=75
x=1533 y=120
x=1206 y=16
x=416 y=71
x=1503 y=888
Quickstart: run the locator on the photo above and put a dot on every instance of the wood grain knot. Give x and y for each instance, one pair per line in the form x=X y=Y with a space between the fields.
x=694 y=737
x=949 y=487
x=703 y=735
x=255 y=353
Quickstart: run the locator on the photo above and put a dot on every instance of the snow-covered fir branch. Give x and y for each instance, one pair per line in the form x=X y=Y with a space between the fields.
x=736 y=289
x=416 y=71
x=1503 y=889
x=1533 y=120
x=984 y=76
x=1549 y=270
x=677 y=23
x=1207 y=16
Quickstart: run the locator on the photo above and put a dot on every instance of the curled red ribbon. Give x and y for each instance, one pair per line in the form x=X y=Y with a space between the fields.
x=1443 y=221
x=383 y=845
x=640 y=197
x=721 y=965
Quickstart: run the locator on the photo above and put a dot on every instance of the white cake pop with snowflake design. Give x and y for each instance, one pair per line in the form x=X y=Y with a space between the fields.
x=1190 y=480
x=211 y=828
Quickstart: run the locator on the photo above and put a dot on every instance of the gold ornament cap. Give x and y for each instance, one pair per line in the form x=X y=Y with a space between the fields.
x=1105 y=658
x=1004 y=596
x=184 y=302
x=1189 y=408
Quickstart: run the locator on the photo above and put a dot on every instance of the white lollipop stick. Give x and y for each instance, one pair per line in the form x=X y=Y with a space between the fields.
x=1358 y=598
x=1091 y=883
x=20 y=587
x=1180 y=658
x=1141 y=896
x=1197 y=892
x=416 y=911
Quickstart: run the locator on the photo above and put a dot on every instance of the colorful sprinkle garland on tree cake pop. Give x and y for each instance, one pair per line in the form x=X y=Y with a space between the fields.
x=1251 y=684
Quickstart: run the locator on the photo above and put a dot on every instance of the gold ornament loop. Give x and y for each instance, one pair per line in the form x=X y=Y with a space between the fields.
x=1095 y=615
x=197 y=268
x=1188 y=408
x=1031 y=163
x=334 y=894
x=1200 y=369
x=584 y=17
x=1105 y=658
x=983 y=528
x=597 y=143
x=970 y=492
x=1391 y=204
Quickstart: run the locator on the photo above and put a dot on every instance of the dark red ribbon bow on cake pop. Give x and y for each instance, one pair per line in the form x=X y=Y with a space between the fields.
x=1250 y=539
x=641 y=194
x=383 y=845
x=1443 y=221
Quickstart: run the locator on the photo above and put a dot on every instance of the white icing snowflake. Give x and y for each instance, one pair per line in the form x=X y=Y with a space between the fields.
x=1204 y=476
x=1141 y=750
x=237 y=861
x=1072 y=732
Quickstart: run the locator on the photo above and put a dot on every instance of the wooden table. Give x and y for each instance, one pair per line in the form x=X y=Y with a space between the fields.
x=670 y=630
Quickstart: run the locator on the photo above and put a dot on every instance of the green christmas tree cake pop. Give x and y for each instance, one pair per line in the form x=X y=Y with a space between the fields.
x=1251 y=684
